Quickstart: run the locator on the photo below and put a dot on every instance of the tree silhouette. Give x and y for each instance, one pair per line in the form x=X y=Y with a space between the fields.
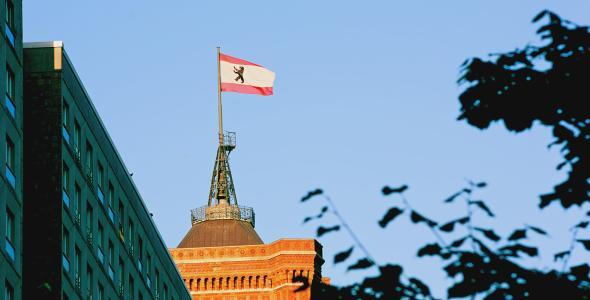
x=545 y=84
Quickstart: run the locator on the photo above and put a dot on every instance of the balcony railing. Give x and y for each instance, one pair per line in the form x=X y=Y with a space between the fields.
x=66 y=198
x=77 y=218
x=65 y=262
x=89 y=175
x=9 y=35
x=89 y=238
x=10 y=177
x=78 y=282
x=66 y=134
x=229 y=212
x=10 y=106
x=9 y=249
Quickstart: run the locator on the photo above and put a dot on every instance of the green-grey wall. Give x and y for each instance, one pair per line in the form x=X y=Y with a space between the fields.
x=47 y=89
x=11 y=198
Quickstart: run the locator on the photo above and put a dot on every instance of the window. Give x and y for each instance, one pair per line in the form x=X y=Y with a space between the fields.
x=100 y=292
x=9 y=29
x=100 y=175
x=89 y=279
x=78 y=199
x=65 y=113
x=8 y=291
x=130 y=235
x=121 y=270
x=131 y=288
x=10 y=234
x=121 y=219
x=65 y=121
x=139 y=253
x=66 y=249
x=111 y=260
x=111 y=199
x=100 y=243
x=89 y=219
x=10 y=162
x=77 y=262
x=77 y=138
x=66 y=182
x=89 y=155
x=10 y=92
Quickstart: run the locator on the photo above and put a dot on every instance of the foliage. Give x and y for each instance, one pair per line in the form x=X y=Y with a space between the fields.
x=544 y=84
x=547 y=84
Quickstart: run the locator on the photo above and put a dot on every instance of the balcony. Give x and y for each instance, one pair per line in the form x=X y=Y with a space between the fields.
x=89 y=239
x=65 y=262
x=78 y=282
x=9 y=249
x=66 y=134
x=9 y=35
x=66 y=198
x=10 y=177
x=77 y=218
x=100 y=195
x=10 y=106
x=100 y=255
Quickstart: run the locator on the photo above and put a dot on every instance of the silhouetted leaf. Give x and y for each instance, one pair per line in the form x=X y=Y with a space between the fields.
x=312 y=194
x=342 y=256
x=582 y=225
x=457 y=194
x=580 y=271
x=361 y=264
x=537 y=230
x=483 y=207
x=448 y=227
x=324 y=209
x=481 y=184
x=463 y=220
x=560 y=255
x=513 y=250
x=389 y=190
x=586 y=243
x=490 y=234
x=301 y=279
x=391 y=214
x=323 y=230
x=423 y=288
x=430 y=249
x=307 y=219
x=418 y=218
x=458 y=243
x=517 y=235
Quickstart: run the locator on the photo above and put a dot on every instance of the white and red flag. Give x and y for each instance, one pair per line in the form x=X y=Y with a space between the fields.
x=241 y=76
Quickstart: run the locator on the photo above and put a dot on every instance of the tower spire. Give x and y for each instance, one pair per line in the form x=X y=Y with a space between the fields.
x=222 y=186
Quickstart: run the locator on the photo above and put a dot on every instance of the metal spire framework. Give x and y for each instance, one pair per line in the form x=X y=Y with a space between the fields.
x=222 y=203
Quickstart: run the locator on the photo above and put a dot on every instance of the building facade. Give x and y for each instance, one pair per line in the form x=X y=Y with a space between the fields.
x=11 y=137
x=87 y=232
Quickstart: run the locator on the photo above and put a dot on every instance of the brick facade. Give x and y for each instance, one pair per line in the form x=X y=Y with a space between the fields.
x=251 y=272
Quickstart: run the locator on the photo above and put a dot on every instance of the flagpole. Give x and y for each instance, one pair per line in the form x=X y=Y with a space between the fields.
x=219 y=108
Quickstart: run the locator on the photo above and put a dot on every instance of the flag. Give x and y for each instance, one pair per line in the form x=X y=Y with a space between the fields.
x=241 y=76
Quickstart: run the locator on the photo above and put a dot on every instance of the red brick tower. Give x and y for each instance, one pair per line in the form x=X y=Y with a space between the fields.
x=222 y=257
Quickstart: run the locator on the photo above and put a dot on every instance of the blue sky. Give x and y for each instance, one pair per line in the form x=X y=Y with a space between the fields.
x=365 y=96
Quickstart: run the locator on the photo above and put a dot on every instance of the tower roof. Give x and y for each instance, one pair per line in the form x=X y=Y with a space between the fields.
x=218 y=233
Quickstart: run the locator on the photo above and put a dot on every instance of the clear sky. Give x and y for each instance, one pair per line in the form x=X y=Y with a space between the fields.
x=366 y=95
